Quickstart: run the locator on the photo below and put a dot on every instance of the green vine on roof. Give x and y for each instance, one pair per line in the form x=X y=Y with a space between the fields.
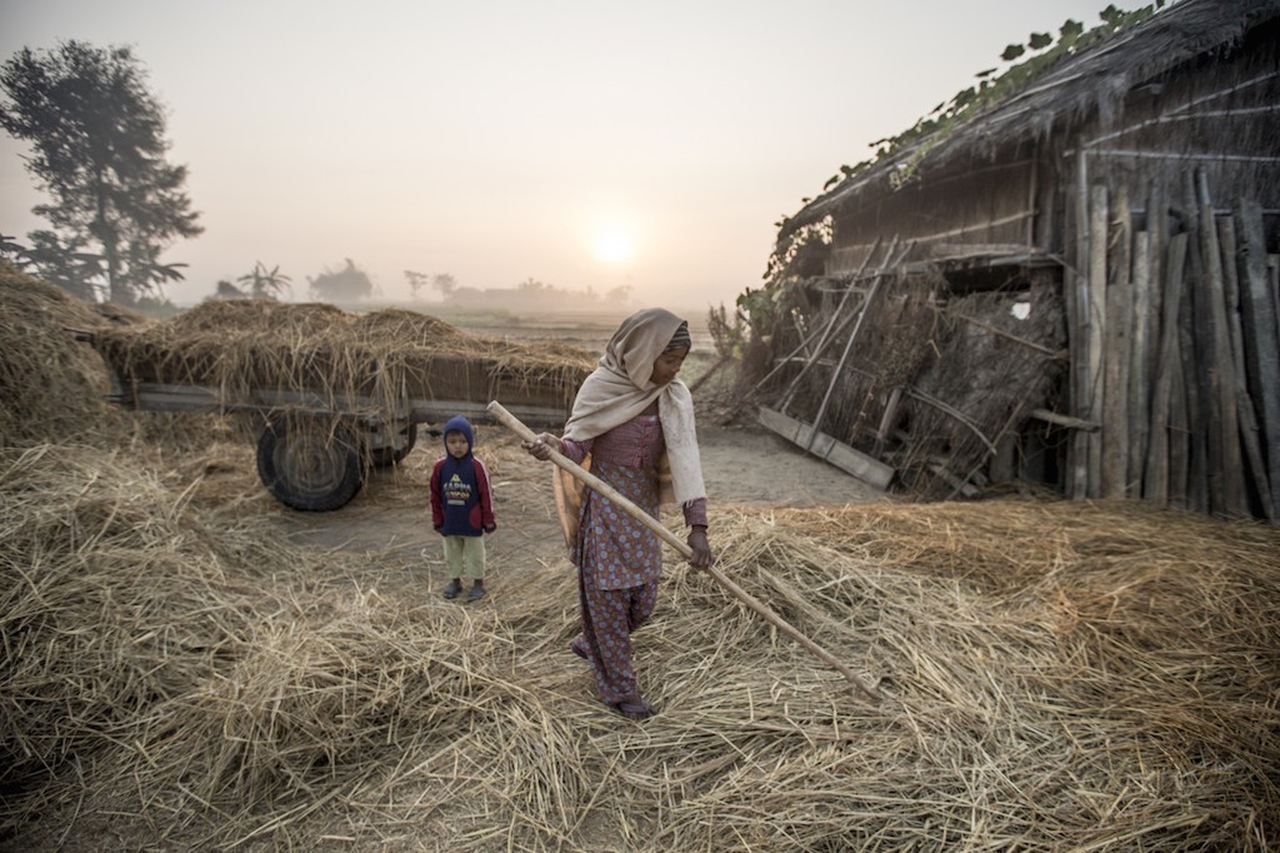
x=782 y=271
x=934 y=128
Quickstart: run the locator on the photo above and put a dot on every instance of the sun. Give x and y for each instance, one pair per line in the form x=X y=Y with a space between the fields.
x=613 y=245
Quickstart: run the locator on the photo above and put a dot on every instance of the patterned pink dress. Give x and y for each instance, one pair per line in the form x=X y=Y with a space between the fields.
x=619 y=559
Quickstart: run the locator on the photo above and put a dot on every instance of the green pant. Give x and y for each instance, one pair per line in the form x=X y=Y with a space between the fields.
x=464 y=556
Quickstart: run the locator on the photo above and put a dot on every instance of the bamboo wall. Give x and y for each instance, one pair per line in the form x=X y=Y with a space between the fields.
x=1174 y=352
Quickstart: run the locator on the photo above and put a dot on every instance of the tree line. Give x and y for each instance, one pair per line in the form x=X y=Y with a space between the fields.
x=99 y=152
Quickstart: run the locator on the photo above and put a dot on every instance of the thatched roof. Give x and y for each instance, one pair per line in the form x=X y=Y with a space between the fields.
x=1093 y=81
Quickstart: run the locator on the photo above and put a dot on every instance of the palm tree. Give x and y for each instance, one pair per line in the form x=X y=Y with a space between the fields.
x=264 y=284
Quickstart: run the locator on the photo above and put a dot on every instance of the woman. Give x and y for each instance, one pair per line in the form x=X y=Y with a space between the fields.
x=633 y=426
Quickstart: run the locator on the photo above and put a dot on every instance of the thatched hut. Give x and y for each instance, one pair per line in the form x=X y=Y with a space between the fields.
x=1073 y=283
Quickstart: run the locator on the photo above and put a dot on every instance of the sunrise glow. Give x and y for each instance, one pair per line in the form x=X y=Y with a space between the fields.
x=613 y=245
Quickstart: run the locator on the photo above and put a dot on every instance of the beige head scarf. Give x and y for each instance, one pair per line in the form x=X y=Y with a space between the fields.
x=619 y=389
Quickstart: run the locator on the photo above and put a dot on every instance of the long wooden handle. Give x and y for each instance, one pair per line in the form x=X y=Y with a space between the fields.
x=514 y=424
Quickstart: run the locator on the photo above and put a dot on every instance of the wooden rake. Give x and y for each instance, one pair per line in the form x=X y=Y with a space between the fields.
x=518 y=427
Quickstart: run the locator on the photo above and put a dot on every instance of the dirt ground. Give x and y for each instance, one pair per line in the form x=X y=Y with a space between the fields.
x=741 y=465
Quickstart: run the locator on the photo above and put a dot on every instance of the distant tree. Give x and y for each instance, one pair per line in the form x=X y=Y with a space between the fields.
x=65 y=264
x=347 y=285
x=227 y=290
x=98 y=142
x=262 y=283
x=417 y=281
x=618 y=296
x=445 y=283
x=14 y=254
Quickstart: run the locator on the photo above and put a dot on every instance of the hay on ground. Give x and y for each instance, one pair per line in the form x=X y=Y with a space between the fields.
x=53 y=387
x=1058 y=675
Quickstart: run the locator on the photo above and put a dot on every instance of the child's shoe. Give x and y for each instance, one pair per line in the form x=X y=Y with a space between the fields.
x=451 y=591
x=477 y=593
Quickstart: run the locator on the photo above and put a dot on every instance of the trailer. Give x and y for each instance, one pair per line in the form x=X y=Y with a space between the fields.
x=317 y=442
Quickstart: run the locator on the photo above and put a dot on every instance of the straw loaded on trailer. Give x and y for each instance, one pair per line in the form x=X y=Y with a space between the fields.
x=333 y=394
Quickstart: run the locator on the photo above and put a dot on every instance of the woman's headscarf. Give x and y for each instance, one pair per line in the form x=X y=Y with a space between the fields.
x=619 y=389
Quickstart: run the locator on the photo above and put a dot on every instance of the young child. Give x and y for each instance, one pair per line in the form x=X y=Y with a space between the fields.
x=462 y=508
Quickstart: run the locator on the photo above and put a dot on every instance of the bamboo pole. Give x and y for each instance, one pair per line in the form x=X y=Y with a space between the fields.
x=720 y=362
x=1195 y=363
x=827 y=337
x=1140 y=377
x=887 y=420
x=1076 y=296
x=844 y=358
x=1226 y=488
x=1261 y=327
x=1115 y=351
x=1095 y=326
x=1156 y=486
x=515 y=425
x=1158 y=229
x=834 y=324
x=1052 y=353
x=1249 y=432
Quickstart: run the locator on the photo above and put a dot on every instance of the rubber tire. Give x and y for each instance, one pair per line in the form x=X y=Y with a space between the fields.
x=385 y=457
x=307 y=466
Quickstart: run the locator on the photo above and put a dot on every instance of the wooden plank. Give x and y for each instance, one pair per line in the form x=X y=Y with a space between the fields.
x=1158 y=229
x=1180 y=485
x=1195 y=362
x=1115 y=354
x=887 y=421
x=1250 y=438
x=1140 y=377
x=1168 y=379
x=1261 y=344
x=1076 y=297
x=1273 y=276
x=1226 y=488
x=949 y=251
x=1063 y=420
x=1095 y=328
x=865 y=468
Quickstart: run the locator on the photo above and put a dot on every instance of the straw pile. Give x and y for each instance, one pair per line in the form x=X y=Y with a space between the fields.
x=1057 y=676
x=52 y=386
x=242 y=346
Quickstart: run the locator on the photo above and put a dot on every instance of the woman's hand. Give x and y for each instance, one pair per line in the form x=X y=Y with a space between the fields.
x=701 y=557
x=542 y=445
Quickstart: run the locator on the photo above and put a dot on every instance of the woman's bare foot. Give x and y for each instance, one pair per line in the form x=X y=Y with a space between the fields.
x=634 y=708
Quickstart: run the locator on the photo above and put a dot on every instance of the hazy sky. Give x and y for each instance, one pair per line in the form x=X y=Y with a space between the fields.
x=514 y=139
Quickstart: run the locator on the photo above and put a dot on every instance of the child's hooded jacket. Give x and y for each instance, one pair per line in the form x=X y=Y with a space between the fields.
x=461 y=499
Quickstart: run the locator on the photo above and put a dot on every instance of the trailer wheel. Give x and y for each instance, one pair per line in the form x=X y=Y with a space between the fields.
x=309 y=466
x=385 y=457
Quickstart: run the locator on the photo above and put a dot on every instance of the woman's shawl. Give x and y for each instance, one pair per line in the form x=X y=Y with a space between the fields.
x=617 y=391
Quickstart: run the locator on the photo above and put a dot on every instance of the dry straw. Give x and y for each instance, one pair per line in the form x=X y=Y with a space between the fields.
x=53 y=388
x=245 y=346
x=1066 y=676
x=1059 y=676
